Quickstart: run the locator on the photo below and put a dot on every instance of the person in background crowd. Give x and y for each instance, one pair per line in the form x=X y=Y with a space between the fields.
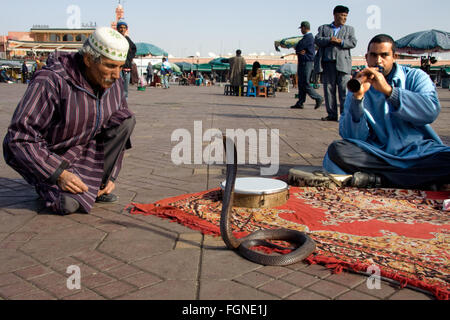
x=24 y=72
x=237 y=72
x=166 y=70
x=149 y=73
x=334 y=59
x=122 y=27
x=255 y=75
x=305 y=51
x=134 y=74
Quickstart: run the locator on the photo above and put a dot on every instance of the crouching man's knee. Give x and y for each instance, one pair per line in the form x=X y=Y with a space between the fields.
x=125 y=128
x=129 y=124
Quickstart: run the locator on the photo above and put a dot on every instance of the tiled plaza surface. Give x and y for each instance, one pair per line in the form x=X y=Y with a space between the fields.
x=143 y=257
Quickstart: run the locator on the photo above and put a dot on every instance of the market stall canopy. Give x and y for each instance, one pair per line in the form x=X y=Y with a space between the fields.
x=249 y=67
x=11 y=63
x=287 y=43
x=145 y=49
x=219 y=68
x=446 y=70
x=32 y=46
x=204 y=67
x=184 y=66
x=424 y=42
x=220 y=63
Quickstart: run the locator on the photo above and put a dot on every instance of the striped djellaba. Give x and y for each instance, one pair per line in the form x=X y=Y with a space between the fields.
x=56 y=127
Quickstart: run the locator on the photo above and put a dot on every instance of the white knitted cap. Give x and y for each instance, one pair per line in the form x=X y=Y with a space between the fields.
x=109 y=43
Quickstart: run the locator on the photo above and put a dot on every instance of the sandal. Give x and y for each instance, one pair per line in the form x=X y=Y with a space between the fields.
x=107 y=198
x=365 y=180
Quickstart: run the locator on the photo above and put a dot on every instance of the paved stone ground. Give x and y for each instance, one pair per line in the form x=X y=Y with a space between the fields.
x=137 y=257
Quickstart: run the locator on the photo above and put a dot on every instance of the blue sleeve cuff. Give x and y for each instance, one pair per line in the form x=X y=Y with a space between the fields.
x=357 y=109
x=394 y=99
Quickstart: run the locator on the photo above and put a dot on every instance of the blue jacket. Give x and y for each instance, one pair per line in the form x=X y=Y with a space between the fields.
x=307 y=44
x=396 y=129
x=165 y=68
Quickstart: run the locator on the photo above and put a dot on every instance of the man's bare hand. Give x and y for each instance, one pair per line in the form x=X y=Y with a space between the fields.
x=336 y=40
x=371 y=77
x=303 y=52
x=108 y=189
x=69 y=182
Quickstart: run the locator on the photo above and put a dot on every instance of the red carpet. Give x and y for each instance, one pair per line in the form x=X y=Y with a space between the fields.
x=404 y=233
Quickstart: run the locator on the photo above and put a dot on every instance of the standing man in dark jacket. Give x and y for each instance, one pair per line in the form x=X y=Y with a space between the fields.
x=122 y=27
x=334 y=61
x=24 y=72
x=305 y=51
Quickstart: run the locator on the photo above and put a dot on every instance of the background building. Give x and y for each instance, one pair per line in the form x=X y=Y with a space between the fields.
x=43 y=40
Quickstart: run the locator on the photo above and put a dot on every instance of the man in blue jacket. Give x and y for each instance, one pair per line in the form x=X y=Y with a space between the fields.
x=305 y=51
x=388 y=139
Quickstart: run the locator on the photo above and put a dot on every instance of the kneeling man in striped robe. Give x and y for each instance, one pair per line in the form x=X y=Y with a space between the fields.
x=69 y=132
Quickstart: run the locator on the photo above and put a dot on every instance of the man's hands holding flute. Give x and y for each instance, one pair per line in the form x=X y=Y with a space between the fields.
x=372 y=77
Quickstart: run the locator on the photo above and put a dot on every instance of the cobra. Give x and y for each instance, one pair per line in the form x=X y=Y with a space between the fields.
x=305 y=245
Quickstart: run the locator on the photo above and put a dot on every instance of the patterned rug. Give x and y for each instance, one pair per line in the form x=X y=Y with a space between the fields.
x=404 y=233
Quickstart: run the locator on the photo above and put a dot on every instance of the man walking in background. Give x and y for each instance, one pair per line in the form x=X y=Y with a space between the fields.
x=122 y=27
x=149 y=73
x=334 y=60
x=305 y=51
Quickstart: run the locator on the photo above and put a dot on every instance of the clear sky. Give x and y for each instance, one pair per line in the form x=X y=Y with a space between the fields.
x=183 y=28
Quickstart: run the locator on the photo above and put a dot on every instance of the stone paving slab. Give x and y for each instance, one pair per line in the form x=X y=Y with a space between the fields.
x=122 y=256
x=230 y=290
x=174 y=265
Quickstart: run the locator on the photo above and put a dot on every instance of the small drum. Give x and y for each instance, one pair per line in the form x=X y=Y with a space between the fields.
x=259 y=192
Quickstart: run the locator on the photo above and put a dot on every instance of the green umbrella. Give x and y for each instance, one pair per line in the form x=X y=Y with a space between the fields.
x=173 y=66
x=287 y=43
x=424 y=42
x=145 y=49
x=220 y=64
x=185 y=66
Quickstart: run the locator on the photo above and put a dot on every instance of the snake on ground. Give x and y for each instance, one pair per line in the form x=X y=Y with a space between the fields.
x=304 y=244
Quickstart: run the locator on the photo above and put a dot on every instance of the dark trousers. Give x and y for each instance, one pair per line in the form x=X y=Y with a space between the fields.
x=149 y=79
x=115 y=140
x=332 y=80
x=305 y=70
x=235 y=90
x=432 y=170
